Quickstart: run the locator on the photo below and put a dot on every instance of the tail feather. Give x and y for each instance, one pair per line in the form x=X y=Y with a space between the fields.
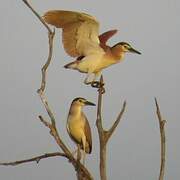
x=71 y=65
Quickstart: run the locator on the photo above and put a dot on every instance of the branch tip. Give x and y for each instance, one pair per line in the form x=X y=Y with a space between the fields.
x=101 y=79
x=34 y=159
x=37 y=15
x=163 y=140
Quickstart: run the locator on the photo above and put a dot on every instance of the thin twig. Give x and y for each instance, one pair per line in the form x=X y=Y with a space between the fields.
x=99 y=108
x=112 y=129
x=46 y=65
x=51 y=38
x=163 y=140
x=36 y=159
x=38 y=16
x=78 y=170
x=47 y=107
x=57 y=138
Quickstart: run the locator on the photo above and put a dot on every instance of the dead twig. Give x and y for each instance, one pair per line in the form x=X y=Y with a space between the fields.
x=36 y=159
x=163 y=140
x=46 y=65
x=114 y=126
x=38 y=16
x=104 y=135
x=54 y=133
x=51 y=38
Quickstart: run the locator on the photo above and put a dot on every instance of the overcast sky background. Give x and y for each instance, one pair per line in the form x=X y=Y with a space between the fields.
x=153 y=28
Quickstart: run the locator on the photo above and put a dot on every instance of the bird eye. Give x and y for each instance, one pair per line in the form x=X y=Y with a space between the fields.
x=126 y=46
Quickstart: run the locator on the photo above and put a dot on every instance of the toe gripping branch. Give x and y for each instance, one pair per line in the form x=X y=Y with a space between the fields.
x=99 y=84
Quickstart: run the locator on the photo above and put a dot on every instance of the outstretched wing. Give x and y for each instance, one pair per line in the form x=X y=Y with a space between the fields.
x=80 y=31
x=105 y=37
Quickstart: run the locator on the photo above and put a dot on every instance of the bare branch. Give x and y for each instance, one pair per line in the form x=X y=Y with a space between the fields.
x=36 y=159
x=112 y=129
x=103 y=134
x=47 y=107
x=46 y=65
x=47 y=124
x=51 y=37
x=57 y=138
x=99 y=108
x=38 y=16
x=163 y=140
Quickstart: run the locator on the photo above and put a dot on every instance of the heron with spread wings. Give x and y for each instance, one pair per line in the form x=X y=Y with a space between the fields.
x=81 y=39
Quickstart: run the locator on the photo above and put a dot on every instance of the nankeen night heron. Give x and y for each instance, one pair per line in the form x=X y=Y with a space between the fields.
x=78 y=126
x=81 y=39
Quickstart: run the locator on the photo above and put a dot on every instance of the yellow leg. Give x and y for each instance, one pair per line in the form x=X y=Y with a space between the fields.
x=89 y=78
x=84 y=156
x=78 y=153
x=95 y=83
x=74 y=152
x=97 y=74
x=84 y=148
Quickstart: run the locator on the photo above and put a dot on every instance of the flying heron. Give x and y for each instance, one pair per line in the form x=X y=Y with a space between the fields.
x=81 y=39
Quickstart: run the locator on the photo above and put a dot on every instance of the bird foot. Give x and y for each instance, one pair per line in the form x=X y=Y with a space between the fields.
x=102 y=90
x=99 y=85
x=96 y=84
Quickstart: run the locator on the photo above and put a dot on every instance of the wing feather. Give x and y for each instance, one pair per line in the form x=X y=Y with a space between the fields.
x=80 y=31
x=60 y=18
x=105 y=37
x=69 y=38
x=88 y=137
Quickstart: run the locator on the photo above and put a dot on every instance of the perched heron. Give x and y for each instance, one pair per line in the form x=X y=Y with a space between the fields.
x=81 y=39
x=78 y=126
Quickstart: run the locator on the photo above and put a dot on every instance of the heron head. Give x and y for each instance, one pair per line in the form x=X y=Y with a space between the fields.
x=82 y=102
x=125 y=47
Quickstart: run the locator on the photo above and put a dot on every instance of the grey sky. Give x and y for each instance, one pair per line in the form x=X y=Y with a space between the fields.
x=152 y=27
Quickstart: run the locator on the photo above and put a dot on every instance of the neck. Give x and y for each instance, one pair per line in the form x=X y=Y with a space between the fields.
x=75 y=110
x=117 y=53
